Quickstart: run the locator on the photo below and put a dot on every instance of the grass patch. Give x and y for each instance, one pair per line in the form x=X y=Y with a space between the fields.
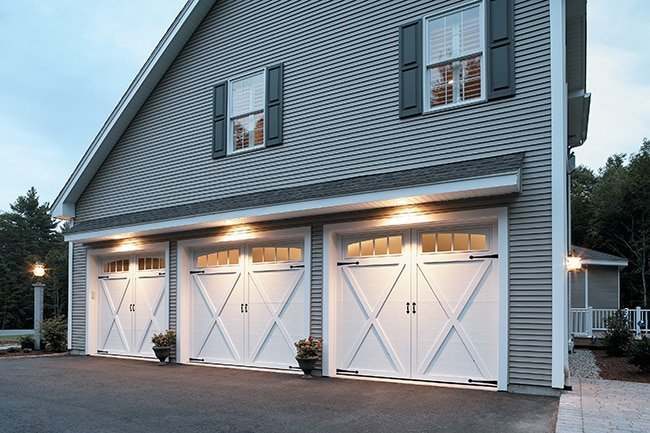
x=10 y=339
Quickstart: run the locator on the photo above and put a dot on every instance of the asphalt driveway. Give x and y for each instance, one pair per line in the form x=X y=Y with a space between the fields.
x=91 y=394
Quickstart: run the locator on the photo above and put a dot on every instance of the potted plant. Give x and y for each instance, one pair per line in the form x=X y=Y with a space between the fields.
x=163 y=343
x=308 y=352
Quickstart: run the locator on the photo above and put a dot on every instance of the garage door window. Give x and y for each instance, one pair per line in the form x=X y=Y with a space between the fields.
x=377 y=246
x=150 y=263
x=276 y=254
x=218 y=258
x=121 y=265
x=444 y=242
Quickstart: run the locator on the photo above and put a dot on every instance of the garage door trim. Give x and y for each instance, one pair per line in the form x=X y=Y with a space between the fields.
x=331 y=238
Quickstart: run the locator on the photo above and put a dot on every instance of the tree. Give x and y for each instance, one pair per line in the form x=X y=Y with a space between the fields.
x=29 y=234
x=611 y=212
x=583 y=181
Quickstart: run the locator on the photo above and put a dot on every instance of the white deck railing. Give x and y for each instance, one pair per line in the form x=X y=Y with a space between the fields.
x=584 y=321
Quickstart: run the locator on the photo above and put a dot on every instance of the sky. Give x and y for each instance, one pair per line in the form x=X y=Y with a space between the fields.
x=64 y=65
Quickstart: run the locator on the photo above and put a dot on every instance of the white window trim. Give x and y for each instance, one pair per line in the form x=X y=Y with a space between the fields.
x=425 y=65
x=230 y=147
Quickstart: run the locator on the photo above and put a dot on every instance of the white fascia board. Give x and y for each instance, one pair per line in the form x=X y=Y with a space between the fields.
x=619 y=263
x=500 y=184
x=188 y=19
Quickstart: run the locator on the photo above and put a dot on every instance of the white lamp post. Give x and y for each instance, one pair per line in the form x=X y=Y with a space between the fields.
x=39 y=288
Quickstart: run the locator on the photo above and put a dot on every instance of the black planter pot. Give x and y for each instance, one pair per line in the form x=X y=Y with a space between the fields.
x=162 y=353
x=307 y=365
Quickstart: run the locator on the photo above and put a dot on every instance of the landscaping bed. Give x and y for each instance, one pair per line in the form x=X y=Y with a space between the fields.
x=619 y=368
x=18 y=352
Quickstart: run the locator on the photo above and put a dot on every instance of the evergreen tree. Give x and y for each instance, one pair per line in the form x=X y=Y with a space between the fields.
x=29 y=234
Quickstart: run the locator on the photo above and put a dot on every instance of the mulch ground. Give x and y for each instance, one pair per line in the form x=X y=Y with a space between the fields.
x=619 y=368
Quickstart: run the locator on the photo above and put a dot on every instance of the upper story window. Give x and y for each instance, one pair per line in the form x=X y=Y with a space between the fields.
x=454 y=46
x=246 y=113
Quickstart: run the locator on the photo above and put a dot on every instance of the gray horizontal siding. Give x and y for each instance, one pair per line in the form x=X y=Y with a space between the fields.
x=577 y=284
x=341 y=120
x=78 y=299
x=603 y=286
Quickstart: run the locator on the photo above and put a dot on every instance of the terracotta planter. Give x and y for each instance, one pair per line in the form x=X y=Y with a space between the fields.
x=162 y=353
x=307 y=365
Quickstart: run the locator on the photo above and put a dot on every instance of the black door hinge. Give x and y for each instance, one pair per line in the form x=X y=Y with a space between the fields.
x=487 y=256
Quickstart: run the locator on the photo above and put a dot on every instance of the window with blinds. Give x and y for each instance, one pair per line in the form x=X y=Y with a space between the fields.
x=454 y=58
x=247 y=112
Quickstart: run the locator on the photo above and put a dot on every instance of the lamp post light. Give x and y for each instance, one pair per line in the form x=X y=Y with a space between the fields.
x=39 y=288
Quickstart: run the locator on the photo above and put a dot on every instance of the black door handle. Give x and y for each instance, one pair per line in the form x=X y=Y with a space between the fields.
x=246 y=308
x=414 y=308
x=241 y=308
x=133 y=307
x=407 y=307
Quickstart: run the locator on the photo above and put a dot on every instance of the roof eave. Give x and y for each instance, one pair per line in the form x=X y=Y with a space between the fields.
x=180 y=31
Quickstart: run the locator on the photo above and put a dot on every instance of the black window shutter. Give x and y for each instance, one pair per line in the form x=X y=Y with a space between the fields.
x=410 y=69
x=500 y=58
x=220 y=120
x=274 y=102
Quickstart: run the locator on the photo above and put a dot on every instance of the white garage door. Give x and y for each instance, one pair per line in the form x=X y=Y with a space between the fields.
x=249 y=304
x=419 y=304
x=132 y=304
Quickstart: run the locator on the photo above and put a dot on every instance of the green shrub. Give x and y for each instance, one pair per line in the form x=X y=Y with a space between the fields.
x=618 y=336
x=640 y=351
x=55 y=333
x=13 y=350
x=26 y=342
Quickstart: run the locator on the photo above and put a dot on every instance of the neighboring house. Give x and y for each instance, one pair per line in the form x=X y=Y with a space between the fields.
x=389 y=176
x=598 y=283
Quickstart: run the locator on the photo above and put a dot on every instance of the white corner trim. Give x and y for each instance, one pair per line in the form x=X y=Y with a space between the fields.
x=183 y=27
x=472 y=187
x=559 y=199
x=70 y=271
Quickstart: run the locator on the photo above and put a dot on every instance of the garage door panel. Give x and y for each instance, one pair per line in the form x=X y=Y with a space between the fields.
x=372 y=357
x=151 y=311
x=375 y=336
x=115 y=326
x=277 y=314
x=217 y=316
x=273 y=351
x=451 y=361
x=448 y=279
x=479 y=319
